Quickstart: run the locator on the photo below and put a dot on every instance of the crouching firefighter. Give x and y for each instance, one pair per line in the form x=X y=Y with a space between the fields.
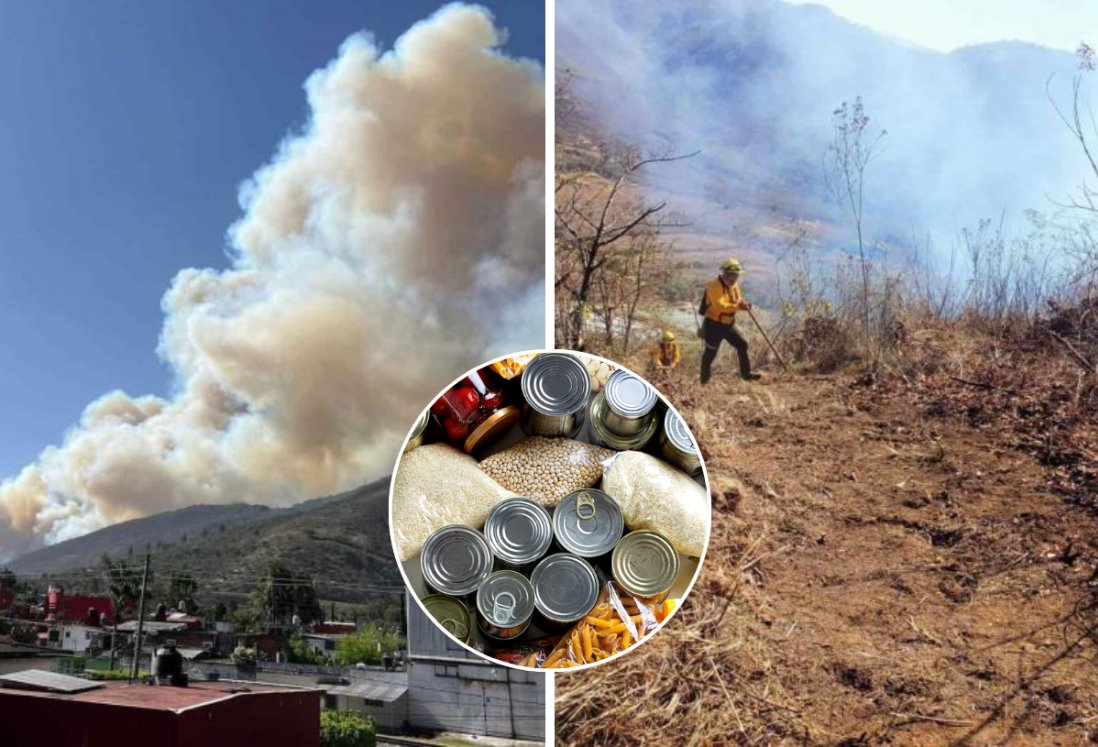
x=719 y=304
x=666 y=353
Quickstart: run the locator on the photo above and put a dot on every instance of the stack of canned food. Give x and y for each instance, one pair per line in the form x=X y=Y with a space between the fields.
x=535 y=570
x=527 y=566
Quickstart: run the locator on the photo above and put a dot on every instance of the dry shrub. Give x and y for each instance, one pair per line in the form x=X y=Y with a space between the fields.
x=705 y=678
x=825 y=344
x=1036 y=384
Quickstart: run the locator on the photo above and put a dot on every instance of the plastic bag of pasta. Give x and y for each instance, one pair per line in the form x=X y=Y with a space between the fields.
x=617 y=621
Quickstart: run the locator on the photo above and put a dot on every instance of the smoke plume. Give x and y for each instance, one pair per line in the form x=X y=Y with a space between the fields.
x=753 y=84
x=395 y=242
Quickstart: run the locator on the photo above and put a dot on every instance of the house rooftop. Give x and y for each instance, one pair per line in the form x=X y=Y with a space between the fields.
x=161 y=698
x=152 y=627
x=19 y=651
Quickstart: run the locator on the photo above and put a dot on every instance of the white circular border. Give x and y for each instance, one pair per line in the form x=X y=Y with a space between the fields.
x=689 y=587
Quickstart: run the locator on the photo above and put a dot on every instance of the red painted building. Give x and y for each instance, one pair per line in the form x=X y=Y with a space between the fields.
x=82 y=609
x=205 y=714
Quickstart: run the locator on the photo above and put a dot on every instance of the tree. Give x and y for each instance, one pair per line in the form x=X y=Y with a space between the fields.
x=847 y=157
x=1080 y=242
x=368 y=646
x=605 y=230
x=284 y=593
x=8 y=579
x=247 y=619
x=1073 y=120
x=123 y=582
x=181 y=588
x=301 y=652
x=637 y=269
x=592 y=216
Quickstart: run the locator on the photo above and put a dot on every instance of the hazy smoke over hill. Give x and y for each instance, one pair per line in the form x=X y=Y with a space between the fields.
x=753 y=84
x=394 y=243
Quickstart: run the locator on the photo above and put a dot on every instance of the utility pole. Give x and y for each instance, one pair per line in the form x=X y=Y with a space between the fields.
x=114 y=640
x=114 y=632
x=140 y=620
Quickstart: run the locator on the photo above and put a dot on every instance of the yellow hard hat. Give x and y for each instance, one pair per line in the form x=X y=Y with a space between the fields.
x=731 y=265
x=668 y=336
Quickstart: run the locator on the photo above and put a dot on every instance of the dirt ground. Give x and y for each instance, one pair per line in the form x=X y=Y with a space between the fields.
x=878 y=573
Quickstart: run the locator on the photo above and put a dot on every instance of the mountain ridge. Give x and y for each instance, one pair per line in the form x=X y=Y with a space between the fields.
x=171 y=528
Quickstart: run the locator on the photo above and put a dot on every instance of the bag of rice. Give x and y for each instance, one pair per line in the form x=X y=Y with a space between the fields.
x=547 y=469
x=437 y=485
x=654 y=495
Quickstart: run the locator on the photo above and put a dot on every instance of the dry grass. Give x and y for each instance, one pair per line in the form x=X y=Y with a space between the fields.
x=902 y=557
x=706 y=674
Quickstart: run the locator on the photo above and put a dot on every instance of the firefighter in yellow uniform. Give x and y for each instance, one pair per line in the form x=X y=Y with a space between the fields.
x=666 y=353
x=723 y=298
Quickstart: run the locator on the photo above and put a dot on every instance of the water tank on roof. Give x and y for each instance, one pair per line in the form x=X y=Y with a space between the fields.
x=168 y=666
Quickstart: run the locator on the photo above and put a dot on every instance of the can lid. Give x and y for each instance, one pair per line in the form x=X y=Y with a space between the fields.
x=556 y=384
x=494 y=427
x=455 y=560
x=565 y=587
x=588 y=523
x=518 y=530
x=506 y=599
x=645 y=563
x=450 y=613
x=677 y=433
x=629 y=395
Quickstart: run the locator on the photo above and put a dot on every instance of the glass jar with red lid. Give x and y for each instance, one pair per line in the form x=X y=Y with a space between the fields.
x=475 y=411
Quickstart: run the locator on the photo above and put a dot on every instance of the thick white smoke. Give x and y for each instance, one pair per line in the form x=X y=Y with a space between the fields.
x=395 y=243
x=752 y=84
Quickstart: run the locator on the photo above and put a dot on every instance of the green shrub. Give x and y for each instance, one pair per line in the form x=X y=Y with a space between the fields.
x=346 y=729
x=112 y=674
x=23 y=633
x=303 y=653
x=368 y=646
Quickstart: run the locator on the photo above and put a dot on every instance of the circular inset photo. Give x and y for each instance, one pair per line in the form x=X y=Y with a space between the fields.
x=550 y=510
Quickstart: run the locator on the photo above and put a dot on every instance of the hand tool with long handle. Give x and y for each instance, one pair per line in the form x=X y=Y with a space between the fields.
x=765 y=337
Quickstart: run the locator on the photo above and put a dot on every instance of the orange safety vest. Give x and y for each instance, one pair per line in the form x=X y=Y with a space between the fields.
x=721 y=301
x=666 y=354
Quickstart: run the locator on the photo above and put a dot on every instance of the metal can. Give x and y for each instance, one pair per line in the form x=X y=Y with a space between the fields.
x=416 y=439
x=505 y=605
x=588 y=523
x=556 y=387
x=645 y=564
x=519 y=533
x=455 y=561
x=629 y=403
x=601 y=415
x=678 y=446
x=450 y=614
x=565 y=589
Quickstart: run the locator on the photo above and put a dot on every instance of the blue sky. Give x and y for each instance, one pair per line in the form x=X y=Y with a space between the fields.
x=128 y=127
